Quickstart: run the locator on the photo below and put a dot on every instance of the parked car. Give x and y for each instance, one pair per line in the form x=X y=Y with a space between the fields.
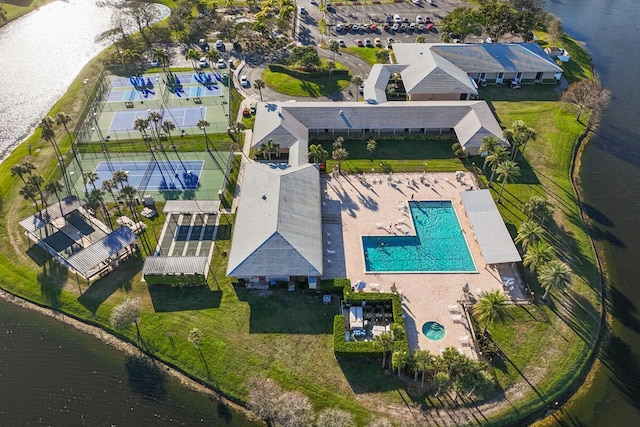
x=419 y=20
x=397 y=19
x=388 y=19
x=421 y=27
x=330 y=7
x=340 y=27
x=355 y=28
x=386 y=26
x=412 y=26
x=395 y=27
x=405 y=20
x=373 y=27
x=253 y=109
x=368 y=43
x=219 y=45
x=403 y=28
x=221 y=63
x=415 y=2
x=430 y=26
x=244 y=81
x=377 y=42
x=203 y=45
x=203 y=62
x=359 y=43
x=154 y=63
x=303 y=11
x=341 y=43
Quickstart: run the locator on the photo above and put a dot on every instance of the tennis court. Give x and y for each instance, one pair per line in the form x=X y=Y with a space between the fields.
x=154 y=175
x=124 y=120
x=130 y=95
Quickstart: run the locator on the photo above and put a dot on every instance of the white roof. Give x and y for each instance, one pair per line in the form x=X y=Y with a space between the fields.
x=192 y=206
x=51 y=213
x=175 y=265
x=91 y=257
x=491 y=233
x=278 y=228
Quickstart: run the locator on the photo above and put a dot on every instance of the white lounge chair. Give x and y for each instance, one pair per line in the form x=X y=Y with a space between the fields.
x=453 y=308
x=457 y=318
x=380 y=225
x=464 y=339
x=329 y=251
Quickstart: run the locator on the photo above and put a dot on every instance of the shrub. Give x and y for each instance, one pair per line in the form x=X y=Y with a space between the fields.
x=455 y=147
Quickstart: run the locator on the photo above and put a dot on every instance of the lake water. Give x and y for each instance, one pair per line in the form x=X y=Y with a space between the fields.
x=611 y=177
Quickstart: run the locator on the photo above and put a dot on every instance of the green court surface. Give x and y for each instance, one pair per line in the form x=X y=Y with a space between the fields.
x=211 y=177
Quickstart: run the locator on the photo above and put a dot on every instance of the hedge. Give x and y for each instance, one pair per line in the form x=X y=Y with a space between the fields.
x=279 y=68
x=177 y=280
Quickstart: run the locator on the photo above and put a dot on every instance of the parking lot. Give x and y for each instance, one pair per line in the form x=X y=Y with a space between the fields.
x=367 y=14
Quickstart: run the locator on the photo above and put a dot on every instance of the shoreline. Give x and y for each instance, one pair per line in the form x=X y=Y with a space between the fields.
x=127 y=348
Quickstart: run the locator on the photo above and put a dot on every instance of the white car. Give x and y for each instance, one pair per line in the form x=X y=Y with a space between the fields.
x=203 y=62
x=419 y=20
x=397 y=19
x=415 y=1
x=221 y=63
x=244 y=81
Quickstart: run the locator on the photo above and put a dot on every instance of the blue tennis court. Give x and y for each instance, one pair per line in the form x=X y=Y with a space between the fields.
x=161 y=175
x=199 y=91
x=187 y=116
x=130 y=95
x=135 y=81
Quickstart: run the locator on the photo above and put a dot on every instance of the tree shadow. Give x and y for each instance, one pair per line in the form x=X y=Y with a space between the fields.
x=578 y=313
x=365 y=375
x=103 y=288
x=622 y=362
x=38 y=255
x=52 y=278
x=596 y=215
x=167 y=298
x=623 y=309
x=279 y=311
x=145 y=377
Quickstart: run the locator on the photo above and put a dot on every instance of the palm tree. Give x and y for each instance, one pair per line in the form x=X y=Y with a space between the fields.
x=155 y=118
x=203 y=124
x=528 y=233
x=193 y=56
x=64 y=119
x=518 y=135
x=37 y=182
x=493 y=160
x=554 y=274
x=258 y=84
x=538 y=254
x=161 y=56
x=507 y=171
x=54 y=187
x=357 y=81
x=330 y=66
x=107 y=186
x=386 y=341
x=422 y=362
x=168 y=126
x=48 y=133
x=491 y=307
x=141 y=124
x=337 y=143
x=128 y=193
x=96 y=197
x=334 y=47
x=399 y=359
x=339 y=154
x=29 y=192
x=212 y=56
x=119 y=177
x=317 y=153
x=21 y=169
x=269 y=148
x=371 y=146
x=90 y=177
x=489 y=144
x=537 y=208
x=442 y=381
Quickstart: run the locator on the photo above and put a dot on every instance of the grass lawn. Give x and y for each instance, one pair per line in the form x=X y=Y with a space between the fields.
x=367 y=54
x=311 y=87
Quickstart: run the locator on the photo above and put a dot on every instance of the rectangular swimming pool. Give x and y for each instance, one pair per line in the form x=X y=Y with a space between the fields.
x=438 y=247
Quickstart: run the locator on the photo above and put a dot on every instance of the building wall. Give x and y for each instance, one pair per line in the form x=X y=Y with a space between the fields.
x=437 y=97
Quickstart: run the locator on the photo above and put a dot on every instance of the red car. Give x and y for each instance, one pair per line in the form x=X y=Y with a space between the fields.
x=359 y=43
x=373 y=27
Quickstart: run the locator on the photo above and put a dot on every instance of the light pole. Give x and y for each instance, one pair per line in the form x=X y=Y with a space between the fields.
x=206 y=137
x=84 y=88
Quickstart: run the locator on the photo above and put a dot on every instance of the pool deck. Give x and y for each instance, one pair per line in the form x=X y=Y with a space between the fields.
x=370 y=205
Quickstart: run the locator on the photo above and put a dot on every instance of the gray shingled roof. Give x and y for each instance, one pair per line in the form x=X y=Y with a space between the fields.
x=51 y=213
x=192 y=206
x=90 y=258
x=491 y=233
x=399 y=115
x=434 y=74
x=278 y=229
x=375 y=86
x=167 y=265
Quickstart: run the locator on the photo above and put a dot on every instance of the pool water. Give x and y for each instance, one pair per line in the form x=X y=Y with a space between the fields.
x=433 y=331
x=438 y=246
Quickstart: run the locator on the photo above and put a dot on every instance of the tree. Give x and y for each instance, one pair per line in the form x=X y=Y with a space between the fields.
x=380 y=422
x=37 y=182
x=490 y=308
x=126 y=313
x=462 y=21
x=422 y=362
x=371 y=146
x=330 y=66
x=399 y=359
x=334 y=47
x=421 y=39
x=162 y=56
x=357 y=80
x=22 y=169
x=96 y=198
x=339 y=154
x=317 y=153
x=48 y=133
x=386 y=341
x=294 y=410
x=64 y=119
x=442 y=381
x=263 y=397
x=29 y=192
x=333 y=417
x=194 y=56
x=554 y=29
x=586 y=95
x=54 y=188
x=168 y=126
x=141 y=124
x=553 y=275
x=538 y=254
x=212 y=55
x=258 y=84
x=507 y=171
x=537 y=208
x=195 y=337
x=128 y=194
x=305 y=57
x=90 y=177
x=518 y=135
x=269 y=148
x=494 y=159
x=203 y=125
x=528 y=233
x=337 y=143
x=382 y=56
x=498 y=19
x=120 y=177
x=107 y=187
x=489 y=145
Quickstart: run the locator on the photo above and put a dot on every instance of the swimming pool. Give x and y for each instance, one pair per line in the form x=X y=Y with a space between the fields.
x=438 y=246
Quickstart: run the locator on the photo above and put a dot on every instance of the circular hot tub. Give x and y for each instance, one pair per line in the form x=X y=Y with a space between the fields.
x=433 y=330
